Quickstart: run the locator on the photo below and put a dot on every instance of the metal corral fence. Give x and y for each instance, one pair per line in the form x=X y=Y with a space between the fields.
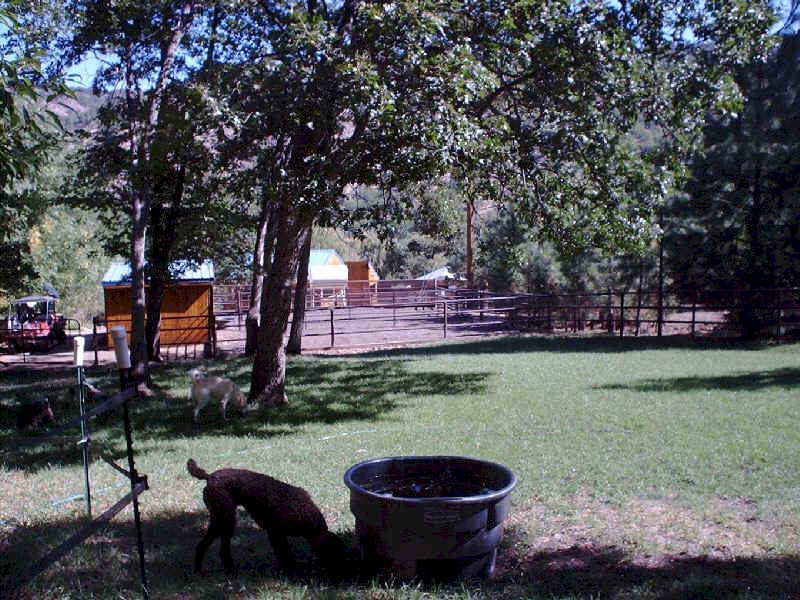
x=184 y=331
x=234 y=299
x=401 y=312
x=720 y=313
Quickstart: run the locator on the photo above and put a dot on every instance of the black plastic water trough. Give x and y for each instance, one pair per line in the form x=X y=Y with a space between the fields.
x=435 y=517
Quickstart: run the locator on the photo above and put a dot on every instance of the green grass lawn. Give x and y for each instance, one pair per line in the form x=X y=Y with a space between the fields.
x=647 y=469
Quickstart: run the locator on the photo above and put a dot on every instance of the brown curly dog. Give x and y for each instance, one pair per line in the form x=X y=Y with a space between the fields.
x=281 y=509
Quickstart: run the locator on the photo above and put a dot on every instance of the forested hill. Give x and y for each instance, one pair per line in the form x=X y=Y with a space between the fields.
x=77 y=112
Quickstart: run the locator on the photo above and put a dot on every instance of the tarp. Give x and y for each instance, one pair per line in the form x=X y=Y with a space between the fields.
x=439 y=274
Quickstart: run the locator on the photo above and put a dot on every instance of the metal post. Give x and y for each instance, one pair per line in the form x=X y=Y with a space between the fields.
x=638 y=308
x=84 y=442
x=660 y=317
x=124 y=377
x=333 y=337
x=212 y=320
x=120 y=338
x=238 y=307
x=694 y=310
x=94 y=339
x=78 y=346
x=529 y=312
x=621 y=314
x=444 y=305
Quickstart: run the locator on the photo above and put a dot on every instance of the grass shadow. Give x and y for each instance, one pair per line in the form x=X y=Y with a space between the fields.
x=589 y=571
x=321 y=390
x=785 y=377
x=107 y=563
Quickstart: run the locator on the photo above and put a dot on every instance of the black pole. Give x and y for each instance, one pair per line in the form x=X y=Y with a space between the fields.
x=125 y=381
x=84 y=443
x=94 y=340
x=444 y=313
x=660 y=317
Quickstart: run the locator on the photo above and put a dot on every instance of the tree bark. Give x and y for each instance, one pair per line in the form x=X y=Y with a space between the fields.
x=155 y=298
x=295 y=344
x=140 y=215
x=753 y=278
x=139 y=363
x=470 y=271
x=141 y=189
x=268 y=377
x=262 y=256
x=162 y=223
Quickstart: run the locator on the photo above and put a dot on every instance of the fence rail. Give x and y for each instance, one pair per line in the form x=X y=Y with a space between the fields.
x=138 y=485
x=406 y=312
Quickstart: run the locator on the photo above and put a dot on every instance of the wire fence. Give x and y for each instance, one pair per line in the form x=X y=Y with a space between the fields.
x=363 y=314
x=400 y=313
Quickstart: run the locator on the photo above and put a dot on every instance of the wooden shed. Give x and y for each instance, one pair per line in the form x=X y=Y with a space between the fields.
x=362 y=284
x=187 y=312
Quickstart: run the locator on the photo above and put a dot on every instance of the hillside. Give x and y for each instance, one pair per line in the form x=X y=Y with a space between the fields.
x=78 y=112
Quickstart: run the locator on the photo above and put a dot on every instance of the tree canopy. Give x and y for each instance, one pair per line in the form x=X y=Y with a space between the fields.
x=738 y=225
x=27 y=134
x=529 y=104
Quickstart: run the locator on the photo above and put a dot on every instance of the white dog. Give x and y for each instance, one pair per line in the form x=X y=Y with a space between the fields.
x=207 y=389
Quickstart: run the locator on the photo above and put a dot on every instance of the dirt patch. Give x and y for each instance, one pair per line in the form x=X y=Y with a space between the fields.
x=59 y=358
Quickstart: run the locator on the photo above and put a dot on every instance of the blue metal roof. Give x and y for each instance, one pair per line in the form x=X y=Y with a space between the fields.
x=119 y=273
x=319 y=257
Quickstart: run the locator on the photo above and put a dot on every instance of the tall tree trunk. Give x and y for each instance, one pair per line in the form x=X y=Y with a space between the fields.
x=155 y=298
x=141 y=187
x=268 y=377
x=163 y=219
x=753 y=278
x=265 y=242
x=140 y=215
x=295 y=344
x=141 y=209
x=470 y=271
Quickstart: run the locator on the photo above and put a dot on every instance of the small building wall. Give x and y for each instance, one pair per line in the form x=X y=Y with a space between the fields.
x=186 y=313
x=362 y=282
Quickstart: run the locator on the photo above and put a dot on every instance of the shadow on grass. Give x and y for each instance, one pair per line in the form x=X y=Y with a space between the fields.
x=108 y=563
x=786 y=377
x=598 y=343
x=594 y=571
x=320 y=390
